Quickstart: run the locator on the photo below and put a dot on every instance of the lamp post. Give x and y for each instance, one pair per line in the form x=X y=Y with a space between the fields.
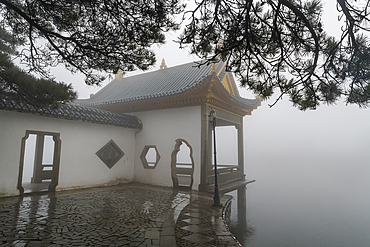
x=216 y=197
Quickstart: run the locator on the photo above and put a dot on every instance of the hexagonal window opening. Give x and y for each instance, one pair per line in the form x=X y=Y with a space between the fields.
x=150 y=157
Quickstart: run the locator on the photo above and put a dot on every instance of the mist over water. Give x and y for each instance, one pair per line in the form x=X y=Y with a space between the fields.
x=312 y=174
x=311 y=168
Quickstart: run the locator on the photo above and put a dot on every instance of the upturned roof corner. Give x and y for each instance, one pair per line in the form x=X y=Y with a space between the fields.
x=179 y=86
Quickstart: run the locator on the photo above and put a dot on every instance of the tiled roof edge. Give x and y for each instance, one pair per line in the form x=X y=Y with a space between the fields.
x=74 y=112
x=251 y=103
x=147 y=97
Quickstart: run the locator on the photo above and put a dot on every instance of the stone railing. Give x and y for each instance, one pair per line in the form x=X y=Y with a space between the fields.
x=225 y=174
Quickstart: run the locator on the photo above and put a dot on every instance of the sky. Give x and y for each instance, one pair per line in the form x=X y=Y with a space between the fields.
x=330 y=128
x=175 y=56
x=328 y=132
x=300 y=157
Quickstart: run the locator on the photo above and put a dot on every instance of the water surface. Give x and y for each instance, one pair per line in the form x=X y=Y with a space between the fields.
x=306 y=205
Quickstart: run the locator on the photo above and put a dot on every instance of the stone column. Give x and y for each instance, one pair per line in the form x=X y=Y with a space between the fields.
x=205 y=145
x=239 y=127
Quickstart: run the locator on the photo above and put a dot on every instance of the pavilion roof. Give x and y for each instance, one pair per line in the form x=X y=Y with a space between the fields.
x=161 y=84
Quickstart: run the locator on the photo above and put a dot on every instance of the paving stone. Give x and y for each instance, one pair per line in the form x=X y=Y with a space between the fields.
x=110 y=216
x=37 y=244
x=198 y=238
x=167 y=241
x=19 y=244
x=152 y=233
x=222 y=231
x=192 y=228
x=228 y=241
x=193 y=221
x=168 y=223
x=192 y=214
x=146 y=242
x=123 y=242
x=133 y=243
x=167 y=231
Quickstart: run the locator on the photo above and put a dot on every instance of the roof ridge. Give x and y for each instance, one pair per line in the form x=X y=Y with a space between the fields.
x=145 y=73
x=163 y=83
x=168 y=68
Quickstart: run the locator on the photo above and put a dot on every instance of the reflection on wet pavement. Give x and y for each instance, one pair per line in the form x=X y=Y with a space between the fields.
x=35 y=187
x=127 y=215
x=239 y=226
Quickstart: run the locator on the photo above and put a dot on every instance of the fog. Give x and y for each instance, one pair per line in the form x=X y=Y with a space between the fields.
x=311 y=168
x=29 y=156
x=312 y=176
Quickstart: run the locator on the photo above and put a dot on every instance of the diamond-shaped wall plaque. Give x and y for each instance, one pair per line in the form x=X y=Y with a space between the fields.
x=110 y=154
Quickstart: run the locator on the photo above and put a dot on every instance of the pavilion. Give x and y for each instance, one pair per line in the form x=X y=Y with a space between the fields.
x=133 y=129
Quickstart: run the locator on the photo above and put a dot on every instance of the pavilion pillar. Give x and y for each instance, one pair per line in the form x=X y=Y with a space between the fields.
x=206 y=148
x=239 y=128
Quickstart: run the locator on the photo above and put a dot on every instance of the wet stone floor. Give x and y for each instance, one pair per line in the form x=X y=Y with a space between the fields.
x=125 y=215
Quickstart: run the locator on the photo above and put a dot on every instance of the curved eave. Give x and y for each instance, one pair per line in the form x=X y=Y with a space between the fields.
x=235 y=104
x=134 y=100
x=151 y=85
x=190 y=96
x=209 y=91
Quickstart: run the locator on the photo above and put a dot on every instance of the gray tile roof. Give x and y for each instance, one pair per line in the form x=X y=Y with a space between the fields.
x=160 y=83
x=74 y=112
x=155 y=84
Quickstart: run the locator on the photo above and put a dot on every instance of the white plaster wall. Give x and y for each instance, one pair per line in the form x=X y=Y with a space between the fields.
x=10 y=143
x=79 y=165
x=162 y=128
